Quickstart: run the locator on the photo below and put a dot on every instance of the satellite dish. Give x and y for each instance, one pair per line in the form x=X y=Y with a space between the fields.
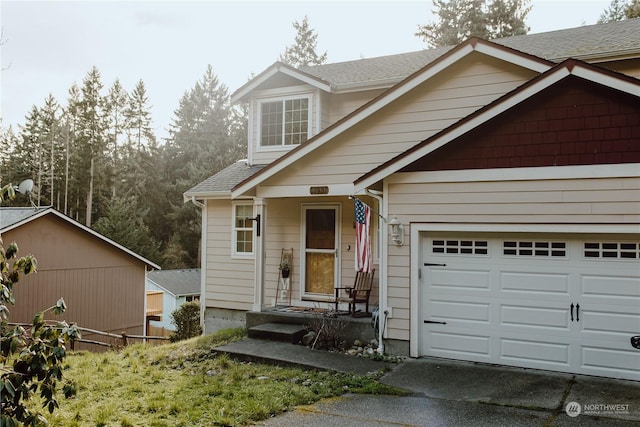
x=25 y=186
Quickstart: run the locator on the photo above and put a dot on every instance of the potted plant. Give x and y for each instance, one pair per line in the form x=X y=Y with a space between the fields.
x=285 y=268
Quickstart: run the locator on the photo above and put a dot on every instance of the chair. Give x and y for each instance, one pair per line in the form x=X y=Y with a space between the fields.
x=358 y=293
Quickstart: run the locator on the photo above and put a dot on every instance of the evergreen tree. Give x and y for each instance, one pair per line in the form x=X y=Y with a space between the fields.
x=303 y=51
x=619 y=10
x=91 y=143
x=459 y=20
x=198 y=147
x=124 y=223
x=114 y=112
x=138 y=115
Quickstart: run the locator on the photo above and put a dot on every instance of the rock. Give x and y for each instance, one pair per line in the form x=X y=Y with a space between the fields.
x=358 y=343
x=308 y=338
x=370 y=351
x=352 y=352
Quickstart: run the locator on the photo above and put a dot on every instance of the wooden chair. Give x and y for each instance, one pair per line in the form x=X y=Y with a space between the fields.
x=358 y=293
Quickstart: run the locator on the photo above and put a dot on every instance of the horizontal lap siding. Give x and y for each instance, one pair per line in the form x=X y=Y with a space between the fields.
x=229 y=281
x=605 y=200
x=427 y=109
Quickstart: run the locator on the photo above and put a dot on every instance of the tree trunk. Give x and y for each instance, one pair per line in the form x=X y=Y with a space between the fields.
x=90 y=195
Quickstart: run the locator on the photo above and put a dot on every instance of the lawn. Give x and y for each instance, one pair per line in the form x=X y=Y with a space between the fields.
x=185 y=384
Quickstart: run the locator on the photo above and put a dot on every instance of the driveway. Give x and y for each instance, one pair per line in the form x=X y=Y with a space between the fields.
x=450 y=393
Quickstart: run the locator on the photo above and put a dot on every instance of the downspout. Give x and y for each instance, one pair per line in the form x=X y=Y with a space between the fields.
x=382 y=276
x=203 y=255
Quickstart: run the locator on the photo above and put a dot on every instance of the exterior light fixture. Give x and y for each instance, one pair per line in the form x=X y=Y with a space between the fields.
x=397 y=232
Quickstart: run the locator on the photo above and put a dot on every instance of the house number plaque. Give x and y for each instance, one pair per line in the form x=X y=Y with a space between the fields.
x=319 y=190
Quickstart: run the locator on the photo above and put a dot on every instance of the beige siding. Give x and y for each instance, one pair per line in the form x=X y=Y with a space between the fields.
x=229 y=280
x=463 y=88
x=103 y=287
x=630 y=67
x=346 y=103
x=554 y=201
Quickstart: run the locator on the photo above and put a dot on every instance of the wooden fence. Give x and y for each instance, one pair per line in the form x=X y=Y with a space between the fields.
x=112 y=341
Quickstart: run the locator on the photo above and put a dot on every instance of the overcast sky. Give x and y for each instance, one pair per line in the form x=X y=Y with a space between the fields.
x=47 y=46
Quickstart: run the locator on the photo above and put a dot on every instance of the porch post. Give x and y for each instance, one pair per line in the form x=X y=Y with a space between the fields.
x=259 y=208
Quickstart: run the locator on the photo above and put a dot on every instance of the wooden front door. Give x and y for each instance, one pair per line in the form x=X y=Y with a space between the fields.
x=320 y=249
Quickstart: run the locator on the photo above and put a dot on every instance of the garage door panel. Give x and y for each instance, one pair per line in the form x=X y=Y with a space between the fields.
x=621 y=289
x=459 y=279
x=543 y=354
x=609 y=324
x=459 y=311
x=461 y=344
x=617 y=362
x=534 y=282
x=540 y=319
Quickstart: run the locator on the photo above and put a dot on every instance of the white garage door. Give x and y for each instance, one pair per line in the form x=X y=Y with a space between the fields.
x=540 y=301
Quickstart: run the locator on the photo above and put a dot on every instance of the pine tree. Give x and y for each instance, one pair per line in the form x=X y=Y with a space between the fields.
x=138 y=114
x=459 y=20
x=91 y=142
x=303 y=51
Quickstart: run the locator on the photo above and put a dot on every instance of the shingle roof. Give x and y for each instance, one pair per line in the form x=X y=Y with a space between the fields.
x=579 y=43
x=178 y=282
x=225 y=180
x=10 y=216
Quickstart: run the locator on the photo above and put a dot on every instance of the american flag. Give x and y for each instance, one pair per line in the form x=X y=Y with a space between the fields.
x=363 y=243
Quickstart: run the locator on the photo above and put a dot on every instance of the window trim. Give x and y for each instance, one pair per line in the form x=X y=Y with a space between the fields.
x=282 y=99
x=234 y=234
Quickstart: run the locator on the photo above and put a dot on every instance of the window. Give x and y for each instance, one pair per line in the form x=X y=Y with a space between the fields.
x=191 y=298
x=284 y=122
x=612 y=250
x=460 y=247
x=243 y=229
x=537 y=249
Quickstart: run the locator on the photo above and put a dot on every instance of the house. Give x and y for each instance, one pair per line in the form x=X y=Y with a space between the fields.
x=175 y=288
x=101 y=281
x=504 y=181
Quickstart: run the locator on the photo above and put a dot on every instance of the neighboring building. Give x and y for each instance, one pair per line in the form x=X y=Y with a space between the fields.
x=177 y=287
x=102 y=282
x=512 y=166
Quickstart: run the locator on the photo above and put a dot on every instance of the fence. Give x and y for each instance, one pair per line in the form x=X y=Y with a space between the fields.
x=111 y=340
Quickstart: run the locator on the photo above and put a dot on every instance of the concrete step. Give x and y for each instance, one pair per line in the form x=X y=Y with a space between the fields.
x=278 y=332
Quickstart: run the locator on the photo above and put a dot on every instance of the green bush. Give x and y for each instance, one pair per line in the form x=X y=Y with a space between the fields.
x=187 y=321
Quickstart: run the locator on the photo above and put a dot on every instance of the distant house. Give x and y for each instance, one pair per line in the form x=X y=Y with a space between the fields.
x=504 y=182
x=101 y=281
x=177 y=287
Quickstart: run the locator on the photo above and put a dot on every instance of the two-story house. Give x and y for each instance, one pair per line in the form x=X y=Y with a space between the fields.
x=508 y=172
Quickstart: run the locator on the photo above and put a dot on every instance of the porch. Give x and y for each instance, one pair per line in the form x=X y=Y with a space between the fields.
x=292 y=319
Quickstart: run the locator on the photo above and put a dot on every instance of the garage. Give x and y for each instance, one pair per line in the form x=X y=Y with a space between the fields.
x=565 y=303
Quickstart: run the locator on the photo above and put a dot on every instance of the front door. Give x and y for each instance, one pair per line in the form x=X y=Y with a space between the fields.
x=320 y=250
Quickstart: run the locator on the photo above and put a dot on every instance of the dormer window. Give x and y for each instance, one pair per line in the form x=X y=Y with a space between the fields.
x=284 y=122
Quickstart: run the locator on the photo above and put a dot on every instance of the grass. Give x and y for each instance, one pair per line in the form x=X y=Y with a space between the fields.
x=185 y=384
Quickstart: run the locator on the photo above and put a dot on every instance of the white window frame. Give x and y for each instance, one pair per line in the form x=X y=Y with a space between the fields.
x=283 y=99
x=234 y=232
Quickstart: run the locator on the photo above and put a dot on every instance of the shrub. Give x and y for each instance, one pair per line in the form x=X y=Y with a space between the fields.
x=187 y=321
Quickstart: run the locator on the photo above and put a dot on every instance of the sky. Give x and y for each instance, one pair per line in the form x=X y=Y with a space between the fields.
x=47 y=46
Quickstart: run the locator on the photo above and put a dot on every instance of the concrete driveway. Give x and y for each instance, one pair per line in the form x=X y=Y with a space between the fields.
x=449 y=393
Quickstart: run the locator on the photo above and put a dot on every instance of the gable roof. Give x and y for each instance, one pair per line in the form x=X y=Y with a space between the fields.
x=613 y=40
x=179 y=282
x=441 y=63
x=12 y=218
x=570 y=67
